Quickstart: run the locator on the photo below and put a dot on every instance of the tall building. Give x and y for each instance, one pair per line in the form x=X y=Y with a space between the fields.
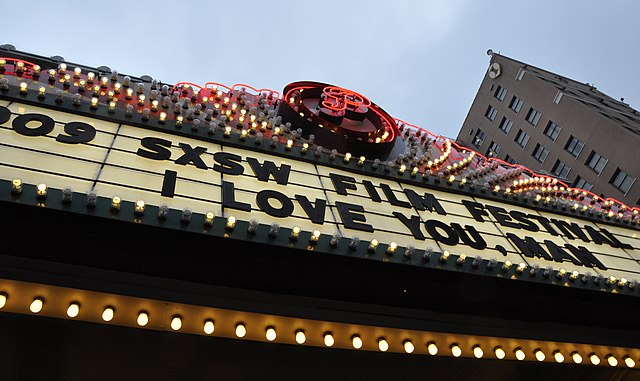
x=558 y=126
x=177 y=231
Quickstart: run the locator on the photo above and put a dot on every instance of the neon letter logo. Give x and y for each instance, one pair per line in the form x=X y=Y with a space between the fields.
x=338 y=99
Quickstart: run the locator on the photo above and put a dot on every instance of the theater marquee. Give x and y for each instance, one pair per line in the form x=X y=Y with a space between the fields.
x=61 y=149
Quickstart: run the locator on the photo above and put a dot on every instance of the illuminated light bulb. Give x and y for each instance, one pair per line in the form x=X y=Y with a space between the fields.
x=112 y=106
x=595 y=360
x=41 y=191
x=402 y=169
x=477 y=352
x=208 y=219
x=301 y=338
x=559 y=357
x=521 y=267
x=361 y=160
x=23 y=87
x=231 y=222
x=520 y=355
x=452 y=178
x=383 y=345
x=154 y=105
x=73 y=310
x=143 y=318
x=575 y=356
x=445 y=255
x=315 y=236
x=243 y=134
x=295 y=233
x=574 y=275
x=289 y=144
x=500 y=353
x=241 y=330
x=408 y=346
x=141 y=99
x=209 y=327
x=328 y=339
x=612 y=360
x=94 y=103
x=347 y=157
x=506 y=265
x=628 y=361
x=139 y=207
x=117 y=87
x=163 y=117
x=36 y=305
x=277 y=130
x=496 y=189
x=455 y=350
x=104 y=81
x=176 y=323
x=62 y=67
x=3 y=299
x=252 y=118
x=356 y=341
x=227 y=131
x=41 y=92
x=16 y=186
x=271 y=334
x=107 y=314
x=129 y=94
x=392 y=248
x=539 y=355
x=373 y=245
x=432 y=348
x=76 y=72
x=36 y=70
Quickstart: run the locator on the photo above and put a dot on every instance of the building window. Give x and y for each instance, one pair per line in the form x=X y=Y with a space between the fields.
x=493 y=150
x=596 y=162
x=509 y=159
x=479 y=138
x=622 y=180
x=552 y=131
x=533 y=116
x=505 y=125
x=500 y=93
x=491 y=113
x=540 y=153
x=516 y=104
x=522 y=138
x=574 y=146
x=582 y=184
x=560 y=169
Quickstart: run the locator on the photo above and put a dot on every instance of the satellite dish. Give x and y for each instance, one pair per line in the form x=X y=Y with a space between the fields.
x=495 y=70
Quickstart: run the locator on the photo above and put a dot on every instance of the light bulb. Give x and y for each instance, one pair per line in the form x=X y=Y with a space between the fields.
x=73 y=310
x=241 y=330
x=328 y=339
x=539 y=355
x=383 y=345
x=520 y=355
x=559 y=357
x=107 y=314
x=271 y=333
x=628 y=361
x=478 y=352
x=3 y=299
x=455 y=350
x=300 y=337
x=576 y=357
x=143 y=319
x=432 y=348
x=209 y=326
x=500 y=354
x=176 y=323
x=408 y=346
x=36 y=305
x=356 y=341
x=612 y=360
x=595 y=360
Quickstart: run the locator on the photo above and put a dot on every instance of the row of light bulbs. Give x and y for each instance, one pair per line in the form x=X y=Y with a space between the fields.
x=230 y=225
x=357 y=342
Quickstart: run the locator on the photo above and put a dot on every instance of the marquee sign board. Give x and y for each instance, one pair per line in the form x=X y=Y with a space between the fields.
x=41 y=145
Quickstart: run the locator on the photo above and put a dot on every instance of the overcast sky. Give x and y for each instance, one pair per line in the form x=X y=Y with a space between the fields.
x=422 y=61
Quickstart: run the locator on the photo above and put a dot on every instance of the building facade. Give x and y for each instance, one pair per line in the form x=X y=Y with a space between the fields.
x=557 y=126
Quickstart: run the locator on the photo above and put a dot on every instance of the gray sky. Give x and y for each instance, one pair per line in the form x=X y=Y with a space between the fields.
x=422 y=61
